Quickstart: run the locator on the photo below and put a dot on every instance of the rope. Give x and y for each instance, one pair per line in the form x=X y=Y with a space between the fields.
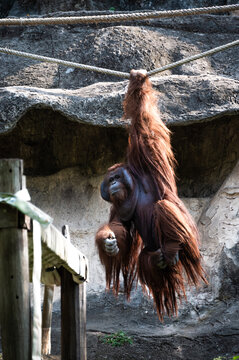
x=118 y=73
x=194 y=57
x=65 y=63
x=117 y=17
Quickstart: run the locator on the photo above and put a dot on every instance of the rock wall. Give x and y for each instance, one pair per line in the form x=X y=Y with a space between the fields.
x=147 y=44
x=219 y=228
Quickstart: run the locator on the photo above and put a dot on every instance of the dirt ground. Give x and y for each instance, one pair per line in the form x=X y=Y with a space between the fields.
x=165 y=348
x=204 y=334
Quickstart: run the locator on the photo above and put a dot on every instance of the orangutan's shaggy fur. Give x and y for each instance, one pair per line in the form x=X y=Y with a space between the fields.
x=159 y=219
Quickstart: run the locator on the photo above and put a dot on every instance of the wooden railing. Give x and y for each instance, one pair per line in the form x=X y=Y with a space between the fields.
x=59 y=263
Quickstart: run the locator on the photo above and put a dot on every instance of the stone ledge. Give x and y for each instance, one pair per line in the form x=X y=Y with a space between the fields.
x=101 y=104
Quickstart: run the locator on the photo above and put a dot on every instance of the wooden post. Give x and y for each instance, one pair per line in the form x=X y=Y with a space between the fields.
x=82 y=295
x=73 y=315
x=14 y=270
x=46 y=319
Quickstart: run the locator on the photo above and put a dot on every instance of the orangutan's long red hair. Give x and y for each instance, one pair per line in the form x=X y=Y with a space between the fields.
x=149 y=152
x=126 y=259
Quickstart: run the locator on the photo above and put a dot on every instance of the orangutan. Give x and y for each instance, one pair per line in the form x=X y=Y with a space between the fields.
x=150 y=235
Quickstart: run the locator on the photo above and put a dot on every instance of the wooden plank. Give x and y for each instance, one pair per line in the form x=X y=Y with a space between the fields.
x=70 y=318
x=82 y=295
x=65 y=252
x=14 y=273
x=46 y=319
x=11 y=175
x=81 y=317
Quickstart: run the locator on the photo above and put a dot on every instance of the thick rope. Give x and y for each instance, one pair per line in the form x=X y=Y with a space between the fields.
x=193 y=57
x=117 y=17
x=118 y=73
x=65 y=63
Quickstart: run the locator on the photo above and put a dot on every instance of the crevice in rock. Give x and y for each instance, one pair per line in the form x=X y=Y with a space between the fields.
x=49 y=142
x=206 y=154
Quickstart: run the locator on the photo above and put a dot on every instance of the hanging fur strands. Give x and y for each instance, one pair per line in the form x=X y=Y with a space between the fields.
x=150 y=235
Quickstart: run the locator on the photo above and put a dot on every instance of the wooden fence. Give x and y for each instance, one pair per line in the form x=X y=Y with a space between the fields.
x=60 y=263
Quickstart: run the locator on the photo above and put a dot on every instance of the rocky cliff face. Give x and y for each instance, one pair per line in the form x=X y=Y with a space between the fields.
x=67 y=126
